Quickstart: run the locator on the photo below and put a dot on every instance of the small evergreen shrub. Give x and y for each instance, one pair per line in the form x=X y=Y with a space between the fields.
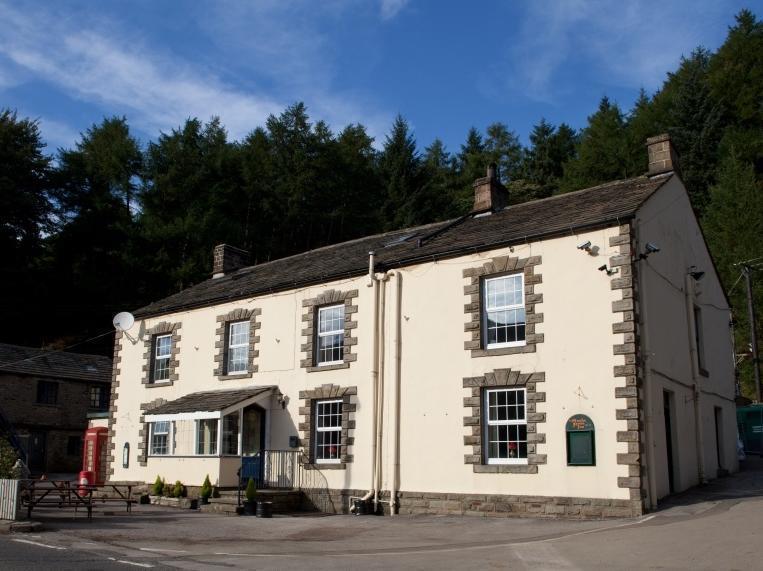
x=251 y=490
x=158 y=486
x=206 y=488
x=178 y=489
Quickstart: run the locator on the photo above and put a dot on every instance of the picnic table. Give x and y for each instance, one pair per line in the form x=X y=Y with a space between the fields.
x=68 y=493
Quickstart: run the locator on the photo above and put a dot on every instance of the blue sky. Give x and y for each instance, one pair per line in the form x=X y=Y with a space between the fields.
x=445 y=66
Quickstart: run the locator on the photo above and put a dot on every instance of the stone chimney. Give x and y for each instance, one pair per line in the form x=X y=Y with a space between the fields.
x=228 y=259
x=489 y=193
x=663 y=157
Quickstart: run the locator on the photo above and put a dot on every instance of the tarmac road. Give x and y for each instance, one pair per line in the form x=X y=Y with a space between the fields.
x=716 y=527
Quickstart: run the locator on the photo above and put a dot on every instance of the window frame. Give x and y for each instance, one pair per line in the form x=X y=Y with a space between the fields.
x=516 y=422
x=155 y=358
x=317 y=429
x=169 y=434
x=486 y=310
x=331 y=333
x=215 y=441
x=45 y=389
x=229 y=346
x=102 y=399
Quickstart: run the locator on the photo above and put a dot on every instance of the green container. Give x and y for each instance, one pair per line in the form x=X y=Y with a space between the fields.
x=750 y=424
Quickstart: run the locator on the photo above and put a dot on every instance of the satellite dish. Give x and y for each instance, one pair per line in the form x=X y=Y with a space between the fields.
x=123 y=321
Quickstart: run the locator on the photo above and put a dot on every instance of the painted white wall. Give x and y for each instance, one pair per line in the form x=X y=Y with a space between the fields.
x=576 y=357
x=667 y=220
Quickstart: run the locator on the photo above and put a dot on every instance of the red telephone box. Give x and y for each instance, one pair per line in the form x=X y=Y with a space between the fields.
x=94 y=451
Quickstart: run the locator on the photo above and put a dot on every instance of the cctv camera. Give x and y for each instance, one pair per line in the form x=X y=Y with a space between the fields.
x=651 y=248
x=585 y=245
x=603 y=268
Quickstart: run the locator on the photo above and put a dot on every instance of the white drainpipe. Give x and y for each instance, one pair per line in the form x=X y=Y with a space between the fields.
x=380 y=387
x=396 y=385
x=374 y=377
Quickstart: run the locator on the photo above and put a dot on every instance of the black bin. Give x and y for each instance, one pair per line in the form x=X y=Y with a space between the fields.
x=264 y=509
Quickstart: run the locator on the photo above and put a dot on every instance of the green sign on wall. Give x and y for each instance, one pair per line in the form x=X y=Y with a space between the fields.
x=581 y=446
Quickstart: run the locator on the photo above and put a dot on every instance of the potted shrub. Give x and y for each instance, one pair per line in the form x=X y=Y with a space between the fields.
x=250 y=506
x=206 y=491
x=158 y=486
x=178 y=489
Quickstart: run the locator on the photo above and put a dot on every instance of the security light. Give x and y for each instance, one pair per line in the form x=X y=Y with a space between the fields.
x=649 y=249
x=585 y=245
x=695 y=273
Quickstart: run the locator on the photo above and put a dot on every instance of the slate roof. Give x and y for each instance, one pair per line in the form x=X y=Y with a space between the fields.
x=57 y=364
x=601 y=205
x=209 y=401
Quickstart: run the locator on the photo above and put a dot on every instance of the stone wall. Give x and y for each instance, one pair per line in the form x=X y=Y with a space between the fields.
x=479 y=505
x=68 y=417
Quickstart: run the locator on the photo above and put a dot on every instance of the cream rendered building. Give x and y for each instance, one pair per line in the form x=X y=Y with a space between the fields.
x=568 y=356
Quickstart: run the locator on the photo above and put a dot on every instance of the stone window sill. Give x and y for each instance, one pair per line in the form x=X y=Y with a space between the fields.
x=505 y=469
x=340 y=466
x=528 y=348
x=157 y=385
x=234 y=376
x=316 y=368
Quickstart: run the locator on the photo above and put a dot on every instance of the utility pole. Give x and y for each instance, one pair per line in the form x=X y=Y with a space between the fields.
x=747 y=270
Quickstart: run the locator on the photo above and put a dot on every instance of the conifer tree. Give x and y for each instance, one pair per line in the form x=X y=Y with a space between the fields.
x=601 y=152
x=543 y=163
x=733 y=225
x=25 y=215
x=695 y=125
x=400 y=174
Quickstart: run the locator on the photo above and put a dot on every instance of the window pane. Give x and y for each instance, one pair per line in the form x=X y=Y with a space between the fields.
x=230 y=433
x=206 y=436
x=331 y=319
x=160 y=438
x=239 y=333
x=506 y=425
x=163 y=345
x=328 y=430
x=330 y=348
x=162 y=369
x=238 y=358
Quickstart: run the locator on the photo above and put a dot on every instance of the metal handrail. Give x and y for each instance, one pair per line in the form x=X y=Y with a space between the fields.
x=271 y=469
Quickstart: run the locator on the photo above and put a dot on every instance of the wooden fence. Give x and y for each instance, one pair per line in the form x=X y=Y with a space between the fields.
x=9 y=499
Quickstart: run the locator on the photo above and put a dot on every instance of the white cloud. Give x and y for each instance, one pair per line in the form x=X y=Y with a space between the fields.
x=124 y=74
x=391 y=8
x=155 y=92
x=626 y=44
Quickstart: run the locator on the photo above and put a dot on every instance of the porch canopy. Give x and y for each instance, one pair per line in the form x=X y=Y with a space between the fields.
x=209 y=404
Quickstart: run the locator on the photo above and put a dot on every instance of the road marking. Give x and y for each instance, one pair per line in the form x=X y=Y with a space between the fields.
x=38 y=544
x=266 y=554
x=162 y=550
x=133 y=563
x=436 y=549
